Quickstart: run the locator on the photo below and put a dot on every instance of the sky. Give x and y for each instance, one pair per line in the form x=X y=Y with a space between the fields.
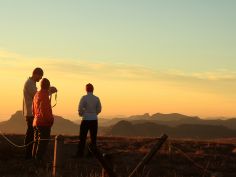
x=142 y=56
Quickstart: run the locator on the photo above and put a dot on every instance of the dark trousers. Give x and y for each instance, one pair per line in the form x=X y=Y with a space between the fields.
x=92 y=127
x=29 y=137
x=40 y=145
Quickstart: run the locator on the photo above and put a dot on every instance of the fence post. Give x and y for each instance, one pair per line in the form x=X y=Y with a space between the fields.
x=58 y=161
x=103 y=161
x=149 y=156
x=108 y=158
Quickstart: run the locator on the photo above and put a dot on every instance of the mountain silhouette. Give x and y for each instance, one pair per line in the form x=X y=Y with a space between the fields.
x=173 y=117
x=126 y=128
x=175 y=125
x=17 y=125
x=173 y=120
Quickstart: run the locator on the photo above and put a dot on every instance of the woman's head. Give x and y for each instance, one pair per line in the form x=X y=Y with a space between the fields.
x=45 y=84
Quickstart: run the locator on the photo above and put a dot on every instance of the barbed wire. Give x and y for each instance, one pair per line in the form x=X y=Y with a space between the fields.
x=21 y=146
x=171 y=146
x=197 y=165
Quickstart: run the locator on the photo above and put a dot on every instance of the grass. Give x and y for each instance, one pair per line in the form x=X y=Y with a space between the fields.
x=217 y=157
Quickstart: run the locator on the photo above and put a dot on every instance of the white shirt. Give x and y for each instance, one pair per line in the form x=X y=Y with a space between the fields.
x=28 y=92
x=89 y=107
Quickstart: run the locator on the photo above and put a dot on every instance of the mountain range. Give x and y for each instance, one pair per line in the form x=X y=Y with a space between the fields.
x=175 y=125
x=171 y=120
x=150 y=129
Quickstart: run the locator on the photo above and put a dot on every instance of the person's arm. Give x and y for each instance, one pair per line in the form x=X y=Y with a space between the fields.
x=31 y=90
x=33 y=111
x=81 y=107
x=98 y=107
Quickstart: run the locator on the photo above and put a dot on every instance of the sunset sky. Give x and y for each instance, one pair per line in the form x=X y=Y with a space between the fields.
x=143 y=56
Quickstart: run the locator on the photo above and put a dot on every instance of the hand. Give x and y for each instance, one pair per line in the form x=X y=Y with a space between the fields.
x=81 y=113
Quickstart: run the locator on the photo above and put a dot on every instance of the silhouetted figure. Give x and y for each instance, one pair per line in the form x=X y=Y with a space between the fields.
x=28 y=92
x=43 y=119
x=89 y=108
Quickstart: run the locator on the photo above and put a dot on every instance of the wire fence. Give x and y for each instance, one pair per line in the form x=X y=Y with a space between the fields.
x=197 y=165
x=171 y=147
x=21 y=146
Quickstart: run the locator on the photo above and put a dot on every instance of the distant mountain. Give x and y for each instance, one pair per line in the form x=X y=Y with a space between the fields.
x=104 y=122
x=144 y=116
x=175 y=125
x=172 y=120
x=173 y=117
x=126 y=128
x=17 y=125
x=176 y=119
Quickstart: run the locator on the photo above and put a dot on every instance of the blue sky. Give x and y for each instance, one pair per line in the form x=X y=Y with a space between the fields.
x=193 y=35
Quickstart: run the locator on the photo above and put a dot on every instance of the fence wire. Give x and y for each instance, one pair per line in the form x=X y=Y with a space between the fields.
x=170 y=147
x=197 y=165
x=21 y=146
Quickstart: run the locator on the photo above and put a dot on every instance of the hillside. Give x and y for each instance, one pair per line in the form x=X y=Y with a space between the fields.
x=175 y=125
x=149 y=129
x=173 y=120
x=17 y=125
x=199 y=158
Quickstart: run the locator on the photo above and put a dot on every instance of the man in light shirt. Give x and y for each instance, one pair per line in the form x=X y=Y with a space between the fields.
x=28 y=92
x=89 y=108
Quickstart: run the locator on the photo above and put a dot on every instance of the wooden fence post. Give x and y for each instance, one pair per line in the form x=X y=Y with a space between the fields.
x=108 y=158
x=103 y=161
x=58 y=161
x=148 y=157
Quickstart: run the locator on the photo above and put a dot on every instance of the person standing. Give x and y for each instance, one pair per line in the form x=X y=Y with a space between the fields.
x=89 y=108
x=43 y=120
x=28 y=93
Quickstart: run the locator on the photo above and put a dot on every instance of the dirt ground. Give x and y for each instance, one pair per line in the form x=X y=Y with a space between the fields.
x=176 y=158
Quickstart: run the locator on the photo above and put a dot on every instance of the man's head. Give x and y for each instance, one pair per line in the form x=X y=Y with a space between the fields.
x=89 y=87
x=45 y=84
x=37 y=74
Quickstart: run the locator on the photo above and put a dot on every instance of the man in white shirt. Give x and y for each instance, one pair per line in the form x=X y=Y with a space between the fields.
x=28 y=92
x=89 y=108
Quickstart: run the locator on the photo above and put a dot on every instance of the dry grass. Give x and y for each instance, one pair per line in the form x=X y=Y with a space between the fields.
x=217 y=156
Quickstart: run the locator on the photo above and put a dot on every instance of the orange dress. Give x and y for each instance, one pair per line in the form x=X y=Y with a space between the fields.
x=42 y=109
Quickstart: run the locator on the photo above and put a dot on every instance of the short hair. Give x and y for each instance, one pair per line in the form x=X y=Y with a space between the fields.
x=38 y=71
x=45 y=83
x=89 y=87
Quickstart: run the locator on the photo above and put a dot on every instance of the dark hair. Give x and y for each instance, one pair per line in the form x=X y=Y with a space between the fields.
x=89 y=87
x=45 y=83
x=38 y=71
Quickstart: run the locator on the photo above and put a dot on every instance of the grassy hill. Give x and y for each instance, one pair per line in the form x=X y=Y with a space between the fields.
x=17 y=125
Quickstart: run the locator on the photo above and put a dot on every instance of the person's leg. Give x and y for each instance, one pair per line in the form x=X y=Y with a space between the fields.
x=29 y=137
x=44 y=133
x=83 y=135
x=35 y=145
x=93 y=129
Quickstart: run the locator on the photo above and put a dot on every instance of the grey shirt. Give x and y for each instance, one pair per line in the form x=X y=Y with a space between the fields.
x=89 y=107
x=28 y=92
